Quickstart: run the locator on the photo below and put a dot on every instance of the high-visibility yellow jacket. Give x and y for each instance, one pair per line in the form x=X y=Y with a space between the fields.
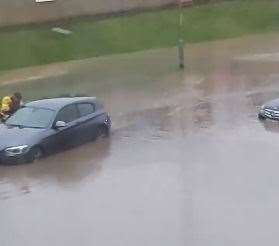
x=6 y=104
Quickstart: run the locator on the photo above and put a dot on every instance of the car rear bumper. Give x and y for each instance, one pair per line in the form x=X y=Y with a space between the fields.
x=108 y=122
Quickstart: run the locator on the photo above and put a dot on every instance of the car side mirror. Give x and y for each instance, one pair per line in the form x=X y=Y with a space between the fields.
x=60 y=124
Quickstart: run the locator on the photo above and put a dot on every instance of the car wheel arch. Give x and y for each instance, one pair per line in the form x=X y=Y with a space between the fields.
x=39 y=146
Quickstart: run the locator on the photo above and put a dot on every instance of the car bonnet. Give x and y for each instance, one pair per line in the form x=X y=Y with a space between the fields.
x=14 y=136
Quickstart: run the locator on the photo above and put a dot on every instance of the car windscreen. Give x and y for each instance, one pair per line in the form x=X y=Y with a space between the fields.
x=31 y=117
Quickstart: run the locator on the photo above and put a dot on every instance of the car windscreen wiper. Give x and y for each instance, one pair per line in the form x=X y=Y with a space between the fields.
x=23 y=126
x=15 y=125
x=35 y=127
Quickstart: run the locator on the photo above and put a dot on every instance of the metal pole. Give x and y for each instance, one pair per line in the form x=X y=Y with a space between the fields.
x=180 y=39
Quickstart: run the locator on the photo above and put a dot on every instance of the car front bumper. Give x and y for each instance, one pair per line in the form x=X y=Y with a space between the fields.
x=269 y=114
x=10 y=160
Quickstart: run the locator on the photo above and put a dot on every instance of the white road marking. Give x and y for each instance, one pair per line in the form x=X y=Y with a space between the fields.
x=61 y=30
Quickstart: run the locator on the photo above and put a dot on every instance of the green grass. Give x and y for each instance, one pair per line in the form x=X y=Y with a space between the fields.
x=27 y=46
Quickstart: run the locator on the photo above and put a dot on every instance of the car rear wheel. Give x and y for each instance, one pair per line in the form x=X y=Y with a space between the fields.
x=101 y=132
x=35 y=154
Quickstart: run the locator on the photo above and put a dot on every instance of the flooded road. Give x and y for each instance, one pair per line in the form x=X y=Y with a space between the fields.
x=188 y=162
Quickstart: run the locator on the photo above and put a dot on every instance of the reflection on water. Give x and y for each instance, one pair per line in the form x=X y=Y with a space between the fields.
x=271 y=125
x=64 y=169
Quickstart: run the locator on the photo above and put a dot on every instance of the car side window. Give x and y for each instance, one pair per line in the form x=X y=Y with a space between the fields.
x=85 y=109
x=68 y=114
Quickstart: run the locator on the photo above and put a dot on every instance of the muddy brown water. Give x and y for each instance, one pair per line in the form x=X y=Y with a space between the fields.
x=187 y=163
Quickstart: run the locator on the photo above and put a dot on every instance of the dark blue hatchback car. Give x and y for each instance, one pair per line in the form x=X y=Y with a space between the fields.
x=50 y=125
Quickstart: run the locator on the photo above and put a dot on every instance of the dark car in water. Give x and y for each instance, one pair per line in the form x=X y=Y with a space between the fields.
x=270 y=110
x=50 y=125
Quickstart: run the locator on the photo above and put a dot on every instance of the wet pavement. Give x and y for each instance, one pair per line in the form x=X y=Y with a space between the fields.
x=188 y=162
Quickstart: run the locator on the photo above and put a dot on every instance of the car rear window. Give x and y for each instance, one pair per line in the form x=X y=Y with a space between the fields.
x=86 y=109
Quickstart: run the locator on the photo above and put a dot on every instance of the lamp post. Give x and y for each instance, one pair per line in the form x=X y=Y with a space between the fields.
x=180 y=38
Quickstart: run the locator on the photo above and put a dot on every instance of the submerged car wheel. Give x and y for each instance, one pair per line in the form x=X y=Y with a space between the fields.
x=101 y=132
x=261 y=117
x=35 y=154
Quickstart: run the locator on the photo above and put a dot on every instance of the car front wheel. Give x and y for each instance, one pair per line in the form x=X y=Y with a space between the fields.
x=34 y=154
x=261 y=117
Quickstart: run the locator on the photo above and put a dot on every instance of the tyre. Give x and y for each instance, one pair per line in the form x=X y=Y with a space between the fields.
x=261 y=117
x=34 y=154
x=101 y=132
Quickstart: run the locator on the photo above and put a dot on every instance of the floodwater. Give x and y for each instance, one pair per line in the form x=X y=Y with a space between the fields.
x=188 y=162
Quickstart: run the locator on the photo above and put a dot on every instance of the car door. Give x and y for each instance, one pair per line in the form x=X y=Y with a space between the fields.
x=67 y=136
x=87 y=124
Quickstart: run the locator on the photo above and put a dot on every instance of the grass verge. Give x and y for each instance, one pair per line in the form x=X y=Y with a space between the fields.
x=28 y=46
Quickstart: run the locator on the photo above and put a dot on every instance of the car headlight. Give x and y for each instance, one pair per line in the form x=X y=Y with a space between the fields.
x=17 y=150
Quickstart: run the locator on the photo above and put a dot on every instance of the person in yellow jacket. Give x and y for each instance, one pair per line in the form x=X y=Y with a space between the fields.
x=10 y=104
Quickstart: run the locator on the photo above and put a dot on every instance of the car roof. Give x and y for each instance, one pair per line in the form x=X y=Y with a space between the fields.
x=58 y=103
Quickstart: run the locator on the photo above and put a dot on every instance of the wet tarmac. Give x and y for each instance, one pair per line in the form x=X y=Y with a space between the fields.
x=187 y=163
